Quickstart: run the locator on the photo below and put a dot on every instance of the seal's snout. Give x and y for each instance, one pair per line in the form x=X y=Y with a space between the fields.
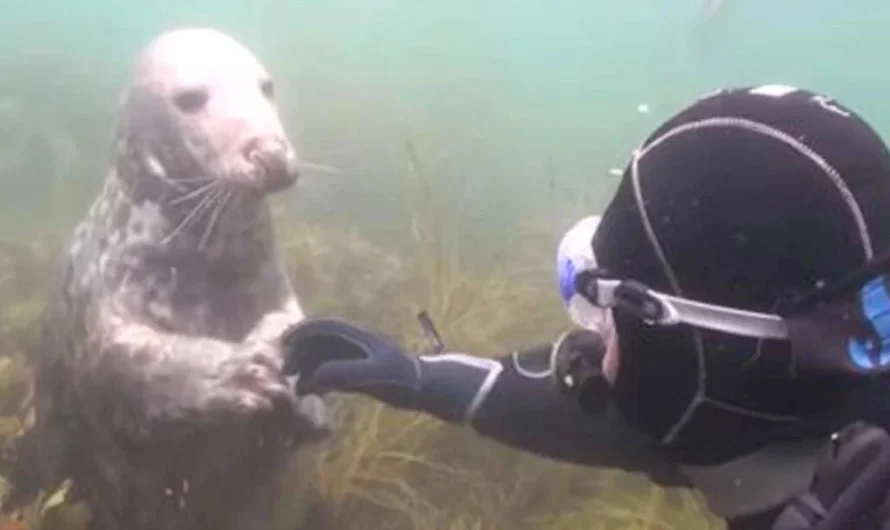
x=273 y=163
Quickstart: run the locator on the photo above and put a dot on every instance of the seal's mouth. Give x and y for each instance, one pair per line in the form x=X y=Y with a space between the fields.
x=272 y=165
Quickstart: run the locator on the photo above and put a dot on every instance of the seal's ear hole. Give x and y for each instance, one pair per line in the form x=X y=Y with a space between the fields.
x=268 y=88
x=191 y=100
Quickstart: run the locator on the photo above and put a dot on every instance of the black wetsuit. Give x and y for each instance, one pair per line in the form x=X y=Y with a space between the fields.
x=515 y=400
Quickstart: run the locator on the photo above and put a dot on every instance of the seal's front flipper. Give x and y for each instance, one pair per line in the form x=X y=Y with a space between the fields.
x=151 y=378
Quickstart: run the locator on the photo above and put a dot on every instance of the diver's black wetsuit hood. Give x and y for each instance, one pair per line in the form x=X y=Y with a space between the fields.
x=746 y=199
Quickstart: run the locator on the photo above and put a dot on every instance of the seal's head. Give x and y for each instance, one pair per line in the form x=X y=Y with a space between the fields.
x=200 y=108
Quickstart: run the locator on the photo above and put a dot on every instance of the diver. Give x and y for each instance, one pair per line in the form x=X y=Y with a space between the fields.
x=732 y=323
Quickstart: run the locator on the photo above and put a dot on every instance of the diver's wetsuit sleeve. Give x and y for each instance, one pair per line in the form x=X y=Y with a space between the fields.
x=514 y=400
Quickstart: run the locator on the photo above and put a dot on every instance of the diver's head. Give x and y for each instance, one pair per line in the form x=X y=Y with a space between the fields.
x=745 y=200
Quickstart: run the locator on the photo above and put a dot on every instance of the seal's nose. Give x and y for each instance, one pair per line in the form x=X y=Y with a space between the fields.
x=274 y=163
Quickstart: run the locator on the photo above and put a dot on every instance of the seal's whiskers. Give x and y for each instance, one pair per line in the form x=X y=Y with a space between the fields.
x=195 y=180
x=221 y=204
x=322 y=168
x=202 y=189
x=200 y=208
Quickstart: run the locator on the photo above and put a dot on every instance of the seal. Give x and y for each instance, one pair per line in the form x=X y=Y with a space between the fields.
x=158 y=386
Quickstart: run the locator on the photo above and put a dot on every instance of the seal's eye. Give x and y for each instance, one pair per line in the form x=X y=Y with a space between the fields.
x=191 y=100
x=268 y=88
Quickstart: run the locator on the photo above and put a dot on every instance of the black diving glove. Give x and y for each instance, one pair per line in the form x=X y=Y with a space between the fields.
x=331 y=355
x=577 y=365
x=849 y=486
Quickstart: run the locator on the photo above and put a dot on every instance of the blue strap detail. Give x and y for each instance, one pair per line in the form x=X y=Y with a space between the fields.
x=565 y=270
x=868 y=354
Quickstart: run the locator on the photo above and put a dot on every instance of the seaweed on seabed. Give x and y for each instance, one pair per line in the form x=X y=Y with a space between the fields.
x=398 y=470
x=23 y=274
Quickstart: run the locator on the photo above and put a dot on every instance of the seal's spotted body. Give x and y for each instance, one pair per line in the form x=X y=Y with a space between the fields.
x=158 y=387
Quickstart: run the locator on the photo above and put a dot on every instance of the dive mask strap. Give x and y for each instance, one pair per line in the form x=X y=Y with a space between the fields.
x=660 y=309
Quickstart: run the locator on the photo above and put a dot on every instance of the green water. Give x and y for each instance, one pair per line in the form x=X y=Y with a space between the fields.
x=522 y=106
x=505 y=92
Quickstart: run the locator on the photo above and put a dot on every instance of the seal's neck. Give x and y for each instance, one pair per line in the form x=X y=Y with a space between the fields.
x=212 y=228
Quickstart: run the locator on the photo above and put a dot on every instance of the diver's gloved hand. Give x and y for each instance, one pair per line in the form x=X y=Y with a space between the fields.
x=848 y=488
x=577 y=364
x=332 y=355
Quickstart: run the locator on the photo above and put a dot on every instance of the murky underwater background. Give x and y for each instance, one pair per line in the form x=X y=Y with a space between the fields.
x=433 y=129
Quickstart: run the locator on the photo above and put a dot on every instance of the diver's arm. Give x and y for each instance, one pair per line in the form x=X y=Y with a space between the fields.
x=514 y=399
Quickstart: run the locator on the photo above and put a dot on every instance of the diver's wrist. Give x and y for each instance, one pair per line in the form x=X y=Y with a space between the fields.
x=454 y=386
